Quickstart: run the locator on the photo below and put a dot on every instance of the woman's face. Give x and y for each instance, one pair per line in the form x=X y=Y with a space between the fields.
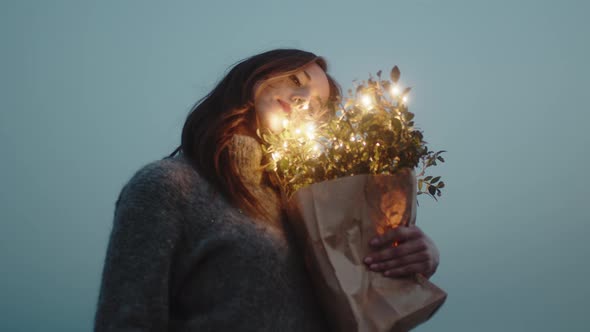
x=280 y=96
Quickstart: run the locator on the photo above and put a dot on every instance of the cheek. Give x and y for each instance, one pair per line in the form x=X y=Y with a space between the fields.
x=264 y=97
x=266 y=101
x=263 y=106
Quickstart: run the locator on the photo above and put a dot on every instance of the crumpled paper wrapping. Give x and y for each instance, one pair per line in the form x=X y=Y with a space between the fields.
x=333 y=222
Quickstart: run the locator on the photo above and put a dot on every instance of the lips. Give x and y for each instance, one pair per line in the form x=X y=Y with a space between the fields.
x=286 y=107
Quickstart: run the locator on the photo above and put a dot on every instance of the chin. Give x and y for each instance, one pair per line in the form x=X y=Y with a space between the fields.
x=275 y=128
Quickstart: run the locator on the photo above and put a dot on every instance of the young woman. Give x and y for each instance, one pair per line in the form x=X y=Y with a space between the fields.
x=199 y=239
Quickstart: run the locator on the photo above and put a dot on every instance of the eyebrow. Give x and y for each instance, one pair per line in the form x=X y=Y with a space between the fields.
x=307 y=75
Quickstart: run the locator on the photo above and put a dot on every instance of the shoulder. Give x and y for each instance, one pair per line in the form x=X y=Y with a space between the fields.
x=168 y=182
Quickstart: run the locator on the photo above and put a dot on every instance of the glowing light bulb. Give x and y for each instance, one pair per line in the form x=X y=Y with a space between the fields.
x=377 y=144
x=276 y=156
x=285 y=123
x=297 y=131
x=310 y=131
x=405 y=99
x=395 y=90
x=366 y=100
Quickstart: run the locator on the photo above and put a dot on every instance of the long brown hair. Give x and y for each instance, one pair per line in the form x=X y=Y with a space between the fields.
x=229 y=109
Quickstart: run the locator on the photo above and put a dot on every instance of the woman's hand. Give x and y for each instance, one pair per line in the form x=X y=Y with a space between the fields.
x=403 y=251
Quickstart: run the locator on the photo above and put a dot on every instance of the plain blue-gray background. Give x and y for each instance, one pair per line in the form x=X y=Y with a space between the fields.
x=91 y=91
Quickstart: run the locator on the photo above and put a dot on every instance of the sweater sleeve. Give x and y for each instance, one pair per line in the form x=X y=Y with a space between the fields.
x=134 y=291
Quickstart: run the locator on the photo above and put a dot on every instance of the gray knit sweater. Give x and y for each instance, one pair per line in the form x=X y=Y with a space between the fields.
x=181 y=258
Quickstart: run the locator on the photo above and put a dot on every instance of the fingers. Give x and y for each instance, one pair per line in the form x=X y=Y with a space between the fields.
x=403 y=271
x=401 y=250
x=398 y=234
x=418 y=257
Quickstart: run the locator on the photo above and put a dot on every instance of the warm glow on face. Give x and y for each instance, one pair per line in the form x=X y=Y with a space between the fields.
x=276 y=124
x=271 y=95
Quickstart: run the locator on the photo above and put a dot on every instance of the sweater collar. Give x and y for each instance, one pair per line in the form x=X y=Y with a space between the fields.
x=246 y=152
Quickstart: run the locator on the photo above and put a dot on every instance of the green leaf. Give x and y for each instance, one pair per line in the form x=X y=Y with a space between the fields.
x=397 y=125
x=283 y=164
x=395 y=74
x=368 y=118
x=388 y=137
x=440 y=185
x=435 y=179
x=374 y=128
x=432 y=190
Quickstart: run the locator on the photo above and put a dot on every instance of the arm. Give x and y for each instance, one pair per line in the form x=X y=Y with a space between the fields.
x=134 y=292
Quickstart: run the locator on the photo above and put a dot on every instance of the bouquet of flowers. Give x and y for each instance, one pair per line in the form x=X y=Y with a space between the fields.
x=347 y=172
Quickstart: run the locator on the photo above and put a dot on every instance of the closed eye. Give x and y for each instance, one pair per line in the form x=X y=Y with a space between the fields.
x=295 y=80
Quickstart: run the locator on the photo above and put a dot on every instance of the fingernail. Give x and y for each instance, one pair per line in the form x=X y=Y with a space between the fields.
x=368 y=260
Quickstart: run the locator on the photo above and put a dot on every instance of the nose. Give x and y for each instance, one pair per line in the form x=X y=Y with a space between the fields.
x=301 y=100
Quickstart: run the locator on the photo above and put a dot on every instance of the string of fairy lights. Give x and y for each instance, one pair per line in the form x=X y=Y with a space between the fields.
x=370 y=131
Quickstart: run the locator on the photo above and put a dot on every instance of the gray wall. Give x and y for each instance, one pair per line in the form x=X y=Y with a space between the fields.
x=91 y=91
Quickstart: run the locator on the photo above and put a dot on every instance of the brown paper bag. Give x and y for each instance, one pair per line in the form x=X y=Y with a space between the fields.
x=334 y=221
